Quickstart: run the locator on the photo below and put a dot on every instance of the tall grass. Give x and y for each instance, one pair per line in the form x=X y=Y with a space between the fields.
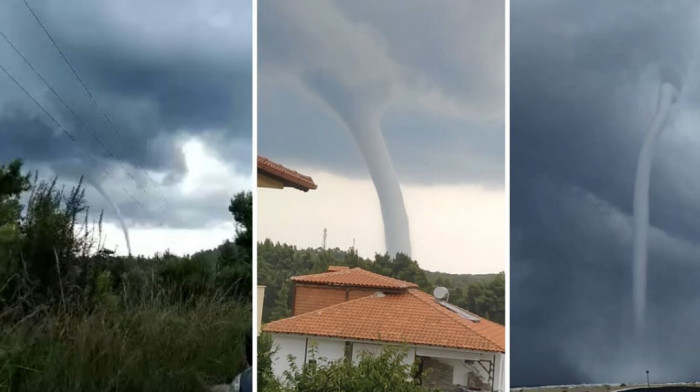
x=150 y=347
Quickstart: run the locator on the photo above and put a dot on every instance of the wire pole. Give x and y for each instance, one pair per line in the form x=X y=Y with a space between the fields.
x=648 y=385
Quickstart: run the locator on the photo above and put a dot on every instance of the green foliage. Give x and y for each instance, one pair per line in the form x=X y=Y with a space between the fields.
x=153 y=347
x=482 y=294
x=488 y=298
x=235 y=262
x=235 y=270
x=189 y=277
x=75 y=317
x=372 y=373
x=282 y=308
x=279 y=262
x=45 y=259
x=242 y=209
x=266 y=379
x=12 y=184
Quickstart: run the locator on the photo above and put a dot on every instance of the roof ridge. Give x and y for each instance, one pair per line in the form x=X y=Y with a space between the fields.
x=403 y=284
x=299 y=316
x=334 y=273
x=456 y=318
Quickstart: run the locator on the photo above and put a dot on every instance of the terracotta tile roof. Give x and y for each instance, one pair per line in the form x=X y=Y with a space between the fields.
x=411 y=317
x=287 y=176
x=355 y=277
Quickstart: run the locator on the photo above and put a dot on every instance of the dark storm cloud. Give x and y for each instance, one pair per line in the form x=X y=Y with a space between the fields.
x=163 y=72
x=443 y=119
x=584 y=83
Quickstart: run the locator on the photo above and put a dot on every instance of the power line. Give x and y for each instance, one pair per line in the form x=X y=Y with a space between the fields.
x=55 y=93
x=59 y=125
x=65 y=59
x=65 y=131
x=87 y=90
x=81 y=123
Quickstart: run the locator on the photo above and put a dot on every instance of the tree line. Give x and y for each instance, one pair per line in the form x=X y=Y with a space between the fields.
x=277 y=263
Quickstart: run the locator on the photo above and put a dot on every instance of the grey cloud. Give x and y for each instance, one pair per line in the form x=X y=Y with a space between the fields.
x=445 y=86
x=584 y=82
x=163 y=72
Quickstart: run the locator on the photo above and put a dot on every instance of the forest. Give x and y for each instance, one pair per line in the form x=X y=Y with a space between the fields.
x=76 y=317
x=277 y=263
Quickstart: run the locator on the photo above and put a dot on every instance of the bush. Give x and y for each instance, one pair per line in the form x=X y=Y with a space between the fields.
x=266 y=379
x=386 y=372
x=150 y=348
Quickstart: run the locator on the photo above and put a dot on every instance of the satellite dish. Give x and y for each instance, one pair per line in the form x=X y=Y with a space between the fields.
x=441 y=293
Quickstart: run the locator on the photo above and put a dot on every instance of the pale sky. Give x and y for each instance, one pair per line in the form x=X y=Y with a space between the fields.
x=208 y=181
x=454 y=228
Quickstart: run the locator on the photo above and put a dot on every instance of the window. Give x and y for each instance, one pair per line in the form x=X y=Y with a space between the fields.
x=348 y=351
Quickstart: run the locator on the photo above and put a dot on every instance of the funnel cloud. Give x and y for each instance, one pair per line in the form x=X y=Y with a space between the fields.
x=360 y=110
x=667 y=96
x=366 y=100
x=363 y=73
x=117 y=211
x=604 y=266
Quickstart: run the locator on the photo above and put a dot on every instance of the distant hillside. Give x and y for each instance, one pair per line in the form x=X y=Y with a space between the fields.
x=483 y=294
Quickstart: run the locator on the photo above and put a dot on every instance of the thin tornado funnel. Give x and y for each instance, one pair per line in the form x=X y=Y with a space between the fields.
x=668 y=95
x=125 y=230
x=369 y=139
x=360 y=107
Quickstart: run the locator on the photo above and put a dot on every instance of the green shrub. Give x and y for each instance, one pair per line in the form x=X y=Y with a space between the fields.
x=385 y=372
x=150 y=348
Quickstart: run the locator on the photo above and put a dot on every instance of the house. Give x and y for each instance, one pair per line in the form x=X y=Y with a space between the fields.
x=346 y=311
x=274 y=175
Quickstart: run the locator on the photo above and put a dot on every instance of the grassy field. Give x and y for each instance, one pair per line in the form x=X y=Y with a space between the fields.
x=149 y=348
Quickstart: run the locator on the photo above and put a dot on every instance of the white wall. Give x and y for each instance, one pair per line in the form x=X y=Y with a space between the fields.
x=376 y=349
x=300 y=347
x=331 y=350
x=261 y=300
x=500 y=375
x=334 y=349
x=287 y=345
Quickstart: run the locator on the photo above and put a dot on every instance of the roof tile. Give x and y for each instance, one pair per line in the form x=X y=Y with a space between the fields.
x=411 y=317
x=288 y=176
x=354 y=277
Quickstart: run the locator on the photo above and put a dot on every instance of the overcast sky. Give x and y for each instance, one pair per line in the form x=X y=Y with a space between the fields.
x=585 y=77
x=174 y=80
x=434 y=71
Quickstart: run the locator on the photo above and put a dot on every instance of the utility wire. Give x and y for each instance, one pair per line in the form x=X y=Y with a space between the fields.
x=82 y=124
x=87 y=90
x=54 y=92
x=59 y=125
x=75 y=73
